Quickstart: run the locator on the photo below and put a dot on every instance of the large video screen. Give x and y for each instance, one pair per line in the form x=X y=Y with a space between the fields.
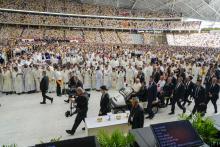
x=176 y=134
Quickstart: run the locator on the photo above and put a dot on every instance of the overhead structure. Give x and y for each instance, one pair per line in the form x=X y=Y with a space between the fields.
x=197 y=9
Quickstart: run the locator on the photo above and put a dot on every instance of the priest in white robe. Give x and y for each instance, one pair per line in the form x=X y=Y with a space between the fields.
x=7 y=81
x=99 y=78
x=29 y=85
x=87 y=79
x=18 y=81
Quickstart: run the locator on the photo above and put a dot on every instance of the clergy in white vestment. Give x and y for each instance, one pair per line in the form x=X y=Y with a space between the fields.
x=120 y=79
x=29 y=84
x=37 y=77
x=114 y=78
x=93 y=74
x=99 y=78
x=137 y=85
x=87 y=79
x=148 y=70
x=1 y=80
x=52 y=81
x=18 y=81
x=79 y=73
x=129 y=75
x=195 y=73
x=66 y=76
x=107 y=77
x=7 y=81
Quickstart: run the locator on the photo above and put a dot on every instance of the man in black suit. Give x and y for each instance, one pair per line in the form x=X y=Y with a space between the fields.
x=189 y=86
x=167 y=91
x=151 y=96
x=104 y=103
x=178 y=94
x=44 y=87
x=81 y=101
x=213 y=93
x=199 y=96
x=136 y=117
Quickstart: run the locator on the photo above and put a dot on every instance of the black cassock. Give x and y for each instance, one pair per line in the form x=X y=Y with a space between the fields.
x=136 y=117
x=104 y=104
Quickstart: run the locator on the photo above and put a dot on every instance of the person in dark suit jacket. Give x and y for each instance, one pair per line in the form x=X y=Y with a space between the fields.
x=141 y=75
x=81 y=101
x=189 y=86
x=151 y=96
x=44 y=87
x=73 y=83
x=167 y=91
x=199 y=96
x=178 y=94
x=136 y=117
x=104 y=103
x=213 y=93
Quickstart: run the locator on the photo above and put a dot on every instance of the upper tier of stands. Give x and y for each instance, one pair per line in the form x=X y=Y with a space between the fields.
x=69 y=6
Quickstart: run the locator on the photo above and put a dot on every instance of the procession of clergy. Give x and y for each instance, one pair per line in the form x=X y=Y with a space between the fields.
x=22 y=73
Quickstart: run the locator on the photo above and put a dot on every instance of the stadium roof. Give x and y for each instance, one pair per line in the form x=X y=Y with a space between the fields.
x=198 y=9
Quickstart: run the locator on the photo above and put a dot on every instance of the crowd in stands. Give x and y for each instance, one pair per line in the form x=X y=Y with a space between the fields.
x=109 y=37
x=7 y=17
x=195 y=39
x=69 y=6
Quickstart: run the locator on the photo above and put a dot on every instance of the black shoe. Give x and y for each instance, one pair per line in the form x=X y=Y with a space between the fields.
x=42 y=102
x=51 y=100
x=149 y=117
x=216 y=111
x=70 y=132
x=184 y=110
x=171 y=113
x=83 y=128
x=67 y=101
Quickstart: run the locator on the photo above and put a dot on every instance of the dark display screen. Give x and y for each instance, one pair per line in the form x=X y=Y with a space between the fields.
x=176 y=134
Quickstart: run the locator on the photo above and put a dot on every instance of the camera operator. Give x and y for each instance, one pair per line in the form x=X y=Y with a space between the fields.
x=81 y=101
x=73 y=83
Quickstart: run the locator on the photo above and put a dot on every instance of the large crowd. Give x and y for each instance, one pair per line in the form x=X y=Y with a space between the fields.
x=72 y=7
x=194 y=39
x=115 y=67
x=40 y=19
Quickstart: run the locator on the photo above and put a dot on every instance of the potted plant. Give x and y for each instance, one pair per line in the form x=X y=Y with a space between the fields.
x=53 y=139
x=204 y=127
x=116 y=139
x=12 y=145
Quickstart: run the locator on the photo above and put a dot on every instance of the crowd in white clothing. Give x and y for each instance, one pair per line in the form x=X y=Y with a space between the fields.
x=113 y=66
